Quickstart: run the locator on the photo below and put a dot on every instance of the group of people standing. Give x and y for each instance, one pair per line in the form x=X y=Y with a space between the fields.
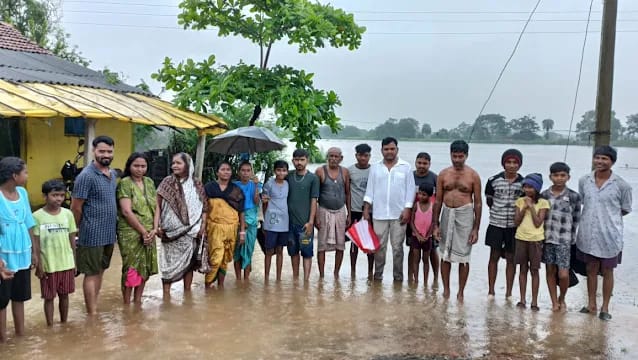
x=206 y=226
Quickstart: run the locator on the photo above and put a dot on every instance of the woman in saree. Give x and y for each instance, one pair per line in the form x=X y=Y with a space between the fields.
x=136 y=197
x=180 y=222
x=225 y=217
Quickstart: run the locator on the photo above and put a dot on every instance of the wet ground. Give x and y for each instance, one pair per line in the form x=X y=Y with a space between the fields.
x=327 y=319
x=351 y=318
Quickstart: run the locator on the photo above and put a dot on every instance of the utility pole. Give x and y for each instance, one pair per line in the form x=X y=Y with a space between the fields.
x=602 y=133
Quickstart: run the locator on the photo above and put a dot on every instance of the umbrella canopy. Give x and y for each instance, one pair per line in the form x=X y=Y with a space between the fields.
x=249 y=139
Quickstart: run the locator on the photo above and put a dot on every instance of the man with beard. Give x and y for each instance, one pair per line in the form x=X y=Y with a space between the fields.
x=333 y=214
x=606 y=200
x=458 y=202
x=390 y=193
x=94 y=207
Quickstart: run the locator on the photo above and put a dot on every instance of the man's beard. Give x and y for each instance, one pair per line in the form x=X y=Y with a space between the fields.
x=105 y=161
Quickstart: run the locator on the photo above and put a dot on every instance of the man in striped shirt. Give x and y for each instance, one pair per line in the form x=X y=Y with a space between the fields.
x=501 y=193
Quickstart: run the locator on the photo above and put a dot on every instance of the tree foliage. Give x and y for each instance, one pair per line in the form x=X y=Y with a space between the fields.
x=299 y=107
x=548 y=125
x=587 y=125
x=39 y=21
x=632 y=125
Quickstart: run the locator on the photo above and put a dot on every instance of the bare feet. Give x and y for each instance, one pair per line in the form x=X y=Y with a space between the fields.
x=563 y=307
x=555 y=307
x=459 y=297
x=446 y=294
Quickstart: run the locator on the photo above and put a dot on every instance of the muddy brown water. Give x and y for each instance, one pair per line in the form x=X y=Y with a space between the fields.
x=345 y=318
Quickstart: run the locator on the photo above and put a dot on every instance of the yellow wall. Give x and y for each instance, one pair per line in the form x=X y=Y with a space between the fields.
x=45 y=148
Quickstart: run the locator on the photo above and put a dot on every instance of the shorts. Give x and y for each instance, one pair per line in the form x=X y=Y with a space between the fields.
x=529 y=252
x=425 y=246
x=275 y=239
x=299 y=242
x=93 y=260
x=605 y=263
x=559 y=255
x=57 y=283
x=16 y=289
x=501 y=238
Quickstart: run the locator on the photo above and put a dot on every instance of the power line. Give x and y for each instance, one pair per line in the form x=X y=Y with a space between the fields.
x=449 y=12
x=580 y=72
x=364 y=20
x=500 y=75
x=367 y=33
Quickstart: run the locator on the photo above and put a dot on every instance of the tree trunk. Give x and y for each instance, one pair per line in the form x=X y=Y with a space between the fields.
x=255 y=116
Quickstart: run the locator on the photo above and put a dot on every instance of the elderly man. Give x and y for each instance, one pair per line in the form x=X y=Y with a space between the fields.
x=333 y=214
x=458 y=202
x=390 y=192
x=606 y=199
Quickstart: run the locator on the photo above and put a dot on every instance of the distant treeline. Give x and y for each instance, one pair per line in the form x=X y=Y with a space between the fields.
x=493 y=127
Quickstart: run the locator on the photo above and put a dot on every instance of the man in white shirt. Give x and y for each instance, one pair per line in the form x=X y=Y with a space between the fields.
x=390 y=192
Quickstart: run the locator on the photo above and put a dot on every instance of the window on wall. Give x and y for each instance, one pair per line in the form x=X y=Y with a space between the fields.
x=74 y=126
x=9 y=137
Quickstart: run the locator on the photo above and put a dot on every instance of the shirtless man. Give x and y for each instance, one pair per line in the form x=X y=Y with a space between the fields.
x=458 y=203
x=333 y=214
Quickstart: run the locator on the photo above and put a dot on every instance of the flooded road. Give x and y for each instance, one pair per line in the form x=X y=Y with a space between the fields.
x=339 y=319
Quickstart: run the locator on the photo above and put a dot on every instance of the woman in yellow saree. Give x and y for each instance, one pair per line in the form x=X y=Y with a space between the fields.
x=224 y=218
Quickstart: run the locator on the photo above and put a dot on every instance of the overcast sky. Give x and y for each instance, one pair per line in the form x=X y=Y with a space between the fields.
x=409 y=64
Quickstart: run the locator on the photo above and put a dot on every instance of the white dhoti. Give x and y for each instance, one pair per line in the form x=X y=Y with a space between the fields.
x=456 y=226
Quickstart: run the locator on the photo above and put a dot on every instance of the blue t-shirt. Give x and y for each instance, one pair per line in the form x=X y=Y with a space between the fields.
x=15 y=222
x=249 y=192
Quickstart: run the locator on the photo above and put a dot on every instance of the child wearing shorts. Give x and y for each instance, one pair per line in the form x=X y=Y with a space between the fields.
x=276 y=221
x=560 y=232
x=17 y=245
x=530 y=217
x=55 y=228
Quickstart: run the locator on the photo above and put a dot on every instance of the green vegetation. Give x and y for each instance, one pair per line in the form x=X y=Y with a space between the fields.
x=40 y=22
x=299 y=107
x=491 y=128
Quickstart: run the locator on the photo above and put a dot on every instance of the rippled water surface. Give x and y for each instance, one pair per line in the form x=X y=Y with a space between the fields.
x=350 y=318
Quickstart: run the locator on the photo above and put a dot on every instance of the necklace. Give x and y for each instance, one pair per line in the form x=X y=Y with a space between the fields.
x=303 y=177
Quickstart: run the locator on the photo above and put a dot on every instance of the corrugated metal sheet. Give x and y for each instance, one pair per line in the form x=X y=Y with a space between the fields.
x=23 y=67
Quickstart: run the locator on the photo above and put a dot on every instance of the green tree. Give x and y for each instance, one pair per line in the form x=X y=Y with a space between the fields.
x=388 y=128
x=462 y=131
x=548 y=125
x=39 y=21
x=407 y=128
x=587 y=125
x=441 y=134
x=632 y=125
x=290 y=92
x=426 y=130
x=524 y=128
x=490 y=126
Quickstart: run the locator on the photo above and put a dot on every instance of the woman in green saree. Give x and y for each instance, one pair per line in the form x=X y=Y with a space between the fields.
x=136 y=198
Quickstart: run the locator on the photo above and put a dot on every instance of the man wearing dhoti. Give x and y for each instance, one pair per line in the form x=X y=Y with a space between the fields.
x=458 y=205
x=332 y=214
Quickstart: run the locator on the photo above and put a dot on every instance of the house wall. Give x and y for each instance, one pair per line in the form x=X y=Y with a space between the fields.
x=45 y=148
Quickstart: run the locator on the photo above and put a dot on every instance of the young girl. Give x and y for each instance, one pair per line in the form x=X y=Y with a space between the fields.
x=530 y=217
x=19 y=251
x=421 y=224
